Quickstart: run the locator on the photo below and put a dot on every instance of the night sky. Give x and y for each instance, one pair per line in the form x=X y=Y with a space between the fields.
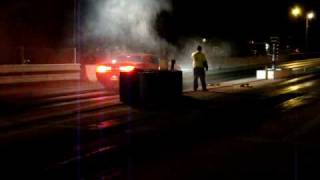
x=45 y=22
x=244 y=20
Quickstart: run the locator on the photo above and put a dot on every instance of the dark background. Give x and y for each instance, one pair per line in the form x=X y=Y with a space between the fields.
x=245 y=20
x=50 y=23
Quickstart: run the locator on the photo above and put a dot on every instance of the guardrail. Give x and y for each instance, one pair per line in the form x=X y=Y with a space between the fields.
x=26 y=73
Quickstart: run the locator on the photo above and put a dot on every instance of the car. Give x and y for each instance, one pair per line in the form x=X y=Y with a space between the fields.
x=108 y=71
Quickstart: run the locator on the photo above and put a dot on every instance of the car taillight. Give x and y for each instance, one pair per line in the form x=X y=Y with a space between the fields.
x=126 y=68
x=103 y=69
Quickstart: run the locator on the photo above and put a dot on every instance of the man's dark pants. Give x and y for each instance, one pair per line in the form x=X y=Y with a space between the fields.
x=199 y=73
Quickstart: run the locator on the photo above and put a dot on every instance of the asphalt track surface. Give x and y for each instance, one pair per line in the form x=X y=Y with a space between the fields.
x=249 y=129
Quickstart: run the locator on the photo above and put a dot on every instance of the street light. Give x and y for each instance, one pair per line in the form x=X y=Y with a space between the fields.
x=204 y=40
x=310 y=15
x=296 y=12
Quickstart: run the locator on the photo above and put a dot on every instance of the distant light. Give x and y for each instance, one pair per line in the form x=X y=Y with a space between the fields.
x=310 y=15
x=204 y=40
x=296 y=11
x=267 y=46
x=114 y=61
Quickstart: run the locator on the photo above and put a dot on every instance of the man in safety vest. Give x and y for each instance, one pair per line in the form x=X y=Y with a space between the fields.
x=199 y=66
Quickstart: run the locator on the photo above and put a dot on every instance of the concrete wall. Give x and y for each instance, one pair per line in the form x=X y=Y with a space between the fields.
x=26 y=73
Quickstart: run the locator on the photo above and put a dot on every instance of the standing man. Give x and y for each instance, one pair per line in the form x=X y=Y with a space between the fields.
x=199 y=66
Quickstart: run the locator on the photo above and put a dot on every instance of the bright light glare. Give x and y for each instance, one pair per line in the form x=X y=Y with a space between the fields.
x=204 y=40
x=267 y=46
x=126 y=68
x=296 y=11
x=186 y=69
x=310 y=15
x=103 y=69
x=114 y=61
x=298 y=87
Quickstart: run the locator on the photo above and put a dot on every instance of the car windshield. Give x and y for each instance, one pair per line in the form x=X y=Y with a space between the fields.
x=133 y=58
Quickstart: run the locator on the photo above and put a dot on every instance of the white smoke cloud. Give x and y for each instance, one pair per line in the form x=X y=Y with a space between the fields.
x=130 y=25
x=126 y=24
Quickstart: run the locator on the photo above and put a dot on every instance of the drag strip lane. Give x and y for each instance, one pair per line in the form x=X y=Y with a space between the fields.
x=52 y=113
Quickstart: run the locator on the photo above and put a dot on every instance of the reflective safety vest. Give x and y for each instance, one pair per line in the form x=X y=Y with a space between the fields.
x=199 y=59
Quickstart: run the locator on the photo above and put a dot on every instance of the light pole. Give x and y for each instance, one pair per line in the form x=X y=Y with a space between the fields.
x=309 y=17
x=296 y=12
x=76 y=30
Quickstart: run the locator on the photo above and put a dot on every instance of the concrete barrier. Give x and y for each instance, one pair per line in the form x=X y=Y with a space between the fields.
x=89 y=73
x=25 y=73
x=273 y=73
